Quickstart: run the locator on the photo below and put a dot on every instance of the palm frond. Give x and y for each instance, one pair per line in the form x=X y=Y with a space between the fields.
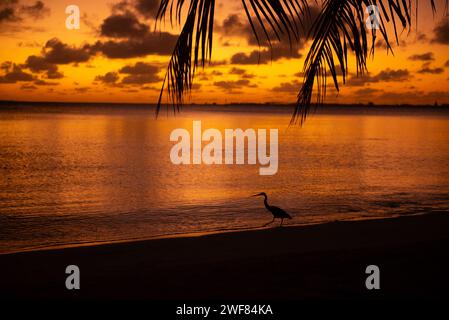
x=283 y=18
x=339 y=27
x=194 y=45
x=338 y=30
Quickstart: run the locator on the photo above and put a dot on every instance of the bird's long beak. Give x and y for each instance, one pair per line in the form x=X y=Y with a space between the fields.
x=255 y=195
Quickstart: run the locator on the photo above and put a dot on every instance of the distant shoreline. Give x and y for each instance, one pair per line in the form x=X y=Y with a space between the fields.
x=15 y=107
x=231 y=104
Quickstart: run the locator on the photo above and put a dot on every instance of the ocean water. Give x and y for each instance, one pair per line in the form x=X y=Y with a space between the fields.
x=85 y=174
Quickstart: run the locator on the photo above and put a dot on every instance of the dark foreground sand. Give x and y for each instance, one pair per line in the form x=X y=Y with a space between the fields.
x=321 y=261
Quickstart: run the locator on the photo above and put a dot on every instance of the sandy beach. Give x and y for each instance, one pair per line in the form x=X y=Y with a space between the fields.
x=288 y=263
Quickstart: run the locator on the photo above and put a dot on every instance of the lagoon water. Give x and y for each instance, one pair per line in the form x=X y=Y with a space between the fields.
x=77 y=174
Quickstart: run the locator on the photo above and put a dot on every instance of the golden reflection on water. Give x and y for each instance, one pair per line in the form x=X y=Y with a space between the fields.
x=74 y=177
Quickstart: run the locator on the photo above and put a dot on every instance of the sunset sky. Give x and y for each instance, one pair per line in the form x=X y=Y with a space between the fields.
x=116 y=57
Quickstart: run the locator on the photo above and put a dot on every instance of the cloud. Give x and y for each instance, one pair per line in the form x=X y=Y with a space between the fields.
x=54 y=53
x=121 y=6
x=441 y=32
x=152 y=43
x=124 y=25
x=248 y=76
x=138 y=79
x=217 y=63
x=37 y=11
x=109 y=78
x=139 y=68
x=230 y=86
x=206 y=76
x=28 y=87
x=14 y=73
x=140 y=73
x=82 y=89
x=382 y=44
x=338 y=72
x=7 y=14
x=366 y=91
x=359 y=81
x=40 y=82
x=148 y=8
x=426 y=69
x=38 y=64
x=57 y=52
x=446 y=65
x=196 y=86
x=128 y=36
x=13 y=11
x=29 y=44
x=421 y=37
x=264 y=56
x=6 y=66
x=428 y=56
x=289 y=87
x=387 y=75
x=54 y=74
x=242 y=73
x=137 y=74
x=237 y=71
x=149 y=88
x=236 y=26
x=130 y=90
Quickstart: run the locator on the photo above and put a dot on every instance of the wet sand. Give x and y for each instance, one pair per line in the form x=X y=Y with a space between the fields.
x=288 y=263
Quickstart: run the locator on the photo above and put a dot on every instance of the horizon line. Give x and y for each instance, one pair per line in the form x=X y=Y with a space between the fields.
x=371 y=104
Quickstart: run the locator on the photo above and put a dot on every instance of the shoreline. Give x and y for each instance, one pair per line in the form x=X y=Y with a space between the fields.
x=295 y=263
x=195 y=234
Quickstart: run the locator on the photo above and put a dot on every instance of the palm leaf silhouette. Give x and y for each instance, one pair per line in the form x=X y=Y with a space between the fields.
x=338 y=29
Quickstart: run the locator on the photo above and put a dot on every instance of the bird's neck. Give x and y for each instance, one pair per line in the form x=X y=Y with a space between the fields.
x=265 y=202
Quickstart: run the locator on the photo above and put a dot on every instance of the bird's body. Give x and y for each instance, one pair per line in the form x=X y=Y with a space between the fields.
x=277 y=212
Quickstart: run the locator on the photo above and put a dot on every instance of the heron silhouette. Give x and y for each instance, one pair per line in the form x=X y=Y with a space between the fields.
x=275 y=211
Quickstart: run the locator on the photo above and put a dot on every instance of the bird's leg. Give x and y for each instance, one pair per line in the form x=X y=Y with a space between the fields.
x=282 y=221
x=269 y=222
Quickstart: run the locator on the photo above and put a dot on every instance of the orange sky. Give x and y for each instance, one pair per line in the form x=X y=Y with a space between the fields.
x=115 y=57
